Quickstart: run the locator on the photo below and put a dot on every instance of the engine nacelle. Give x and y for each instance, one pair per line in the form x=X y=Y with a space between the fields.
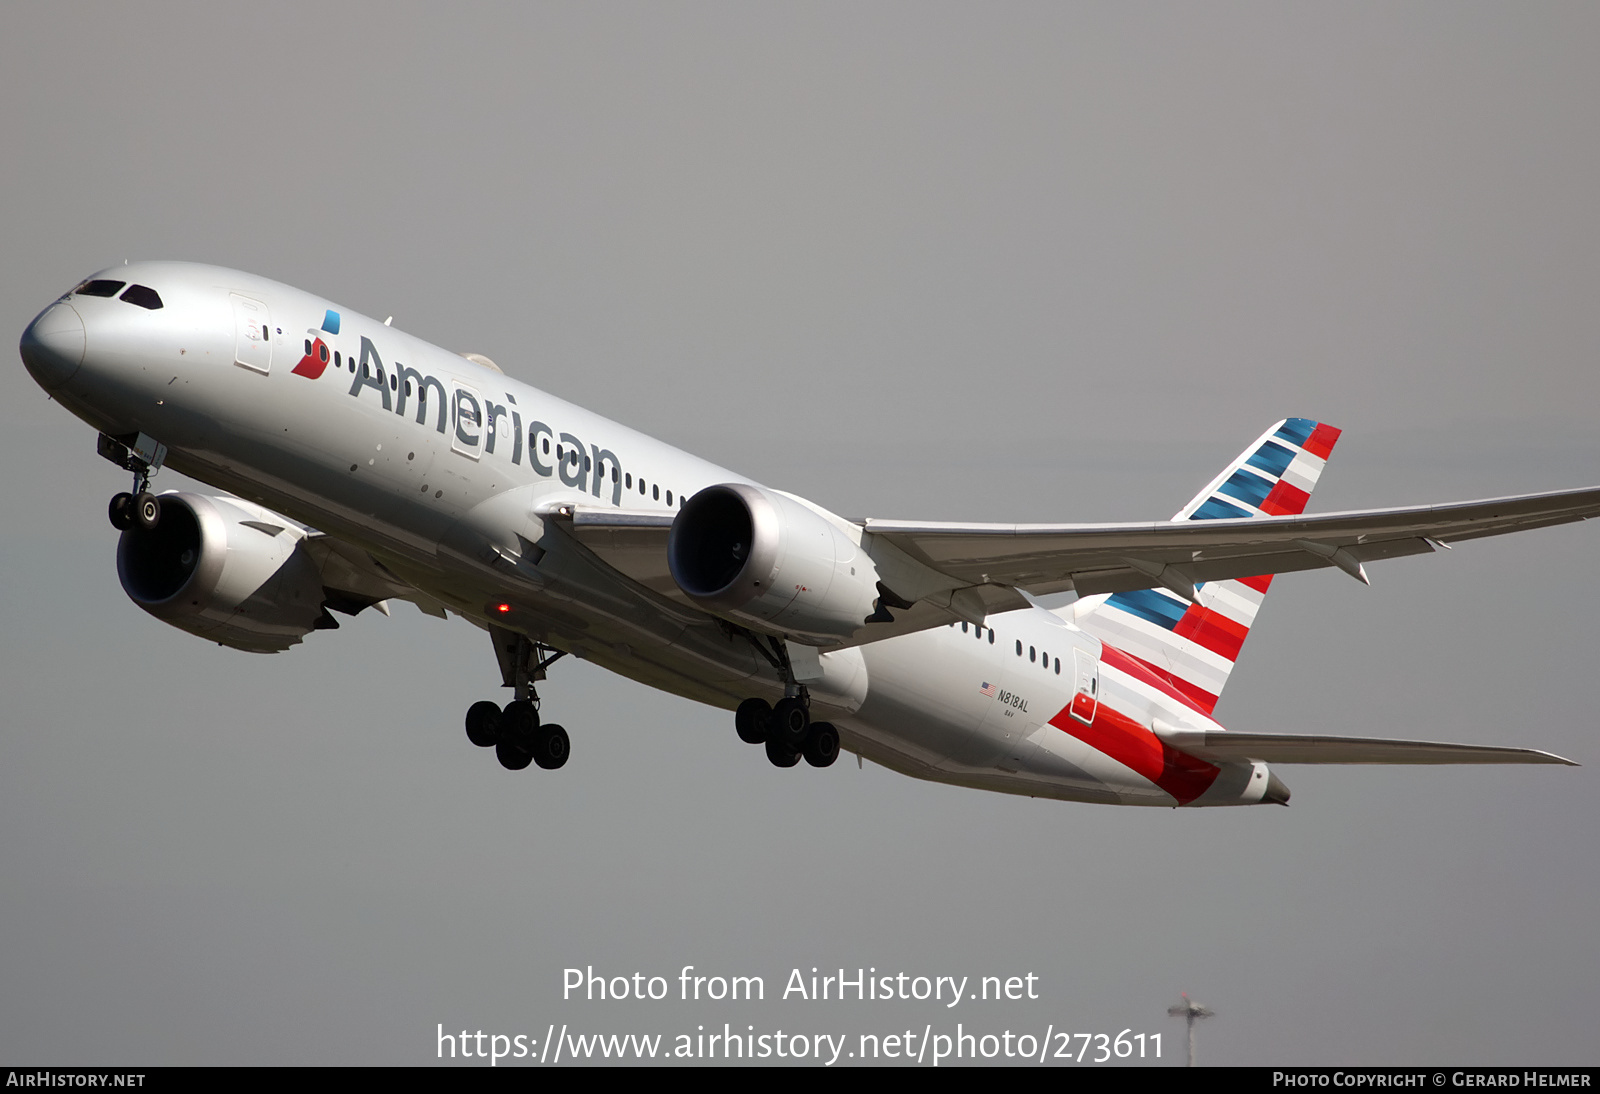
x=772 y=562
x=225 y=570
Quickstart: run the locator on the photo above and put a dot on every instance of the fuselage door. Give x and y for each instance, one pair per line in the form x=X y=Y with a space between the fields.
x=252 y=338
x=1085 y=685
x=466 y=419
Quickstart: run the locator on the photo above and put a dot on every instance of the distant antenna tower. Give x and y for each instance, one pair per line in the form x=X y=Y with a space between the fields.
x=1189 y=1010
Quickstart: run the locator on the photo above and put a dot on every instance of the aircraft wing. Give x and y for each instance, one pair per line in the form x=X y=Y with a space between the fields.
x=1112 y=558
x=633 y=541
x=980 y=569
x=1284 y=748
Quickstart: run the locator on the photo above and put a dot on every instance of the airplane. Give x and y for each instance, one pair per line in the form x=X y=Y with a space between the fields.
x=358 y=466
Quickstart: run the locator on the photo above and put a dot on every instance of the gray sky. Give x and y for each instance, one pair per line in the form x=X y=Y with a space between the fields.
x=1054 y=262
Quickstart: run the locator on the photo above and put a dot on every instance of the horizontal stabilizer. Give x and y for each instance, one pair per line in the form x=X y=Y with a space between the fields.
x=1287 y=748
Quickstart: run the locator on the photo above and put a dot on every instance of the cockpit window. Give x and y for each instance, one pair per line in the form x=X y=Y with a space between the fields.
x=143 y=296
x=99 y=288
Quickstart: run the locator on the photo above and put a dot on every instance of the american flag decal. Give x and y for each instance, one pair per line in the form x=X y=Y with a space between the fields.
x=988 y=689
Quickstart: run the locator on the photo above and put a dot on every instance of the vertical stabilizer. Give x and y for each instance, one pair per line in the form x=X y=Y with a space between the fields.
x=1192 y=646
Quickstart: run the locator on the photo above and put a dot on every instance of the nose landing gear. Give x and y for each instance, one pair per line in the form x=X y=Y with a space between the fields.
x=143 y=456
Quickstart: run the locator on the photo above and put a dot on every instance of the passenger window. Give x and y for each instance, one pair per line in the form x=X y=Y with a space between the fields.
x=669 y=497
x=1019 y=647
x=991 y=636
x=146 y=297
x=99 y=288
x=547 y=446
x=963 y=628
x=627 y=480
x=308 y=347
x=1058 y=666
x=655 y=493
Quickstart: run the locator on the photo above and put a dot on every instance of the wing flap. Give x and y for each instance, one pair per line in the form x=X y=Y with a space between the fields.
x=1126 y=579
x=631 y=541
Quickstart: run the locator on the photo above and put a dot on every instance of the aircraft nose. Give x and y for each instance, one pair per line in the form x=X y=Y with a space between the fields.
x=52 y=346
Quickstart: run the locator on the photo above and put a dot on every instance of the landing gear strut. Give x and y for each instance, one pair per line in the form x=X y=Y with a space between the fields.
x=143 y=456
x=514 y=731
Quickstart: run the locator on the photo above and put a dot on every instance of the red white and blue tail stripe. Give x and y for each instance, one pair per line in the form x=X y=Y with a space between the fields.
x=1273 y=477
x=1192 y=646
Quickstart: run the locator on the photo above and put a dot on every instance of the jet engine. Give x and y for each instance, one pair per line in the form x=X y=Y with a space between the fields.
x=772 y=562
x=225 y=570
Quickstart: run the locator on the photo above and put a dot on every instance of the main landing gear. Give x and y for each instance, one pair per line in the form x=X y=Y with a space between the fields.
x=143 y=456
x=514 y=731
x=516 y=735
x=786 y=727
x=787 y=731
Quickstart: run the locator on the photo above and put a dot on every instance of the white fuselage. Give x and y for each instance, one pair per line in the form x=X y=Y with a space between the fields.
x=441 y=467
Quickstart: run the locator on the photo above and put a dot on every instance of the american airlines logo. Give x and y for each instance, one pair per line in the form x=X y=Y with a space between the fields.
x=316 y=358
x=473 y=423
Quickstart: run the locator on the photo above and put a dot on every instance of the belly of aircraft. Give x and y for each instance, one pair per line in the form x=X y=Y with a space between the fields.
x=947 y=707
